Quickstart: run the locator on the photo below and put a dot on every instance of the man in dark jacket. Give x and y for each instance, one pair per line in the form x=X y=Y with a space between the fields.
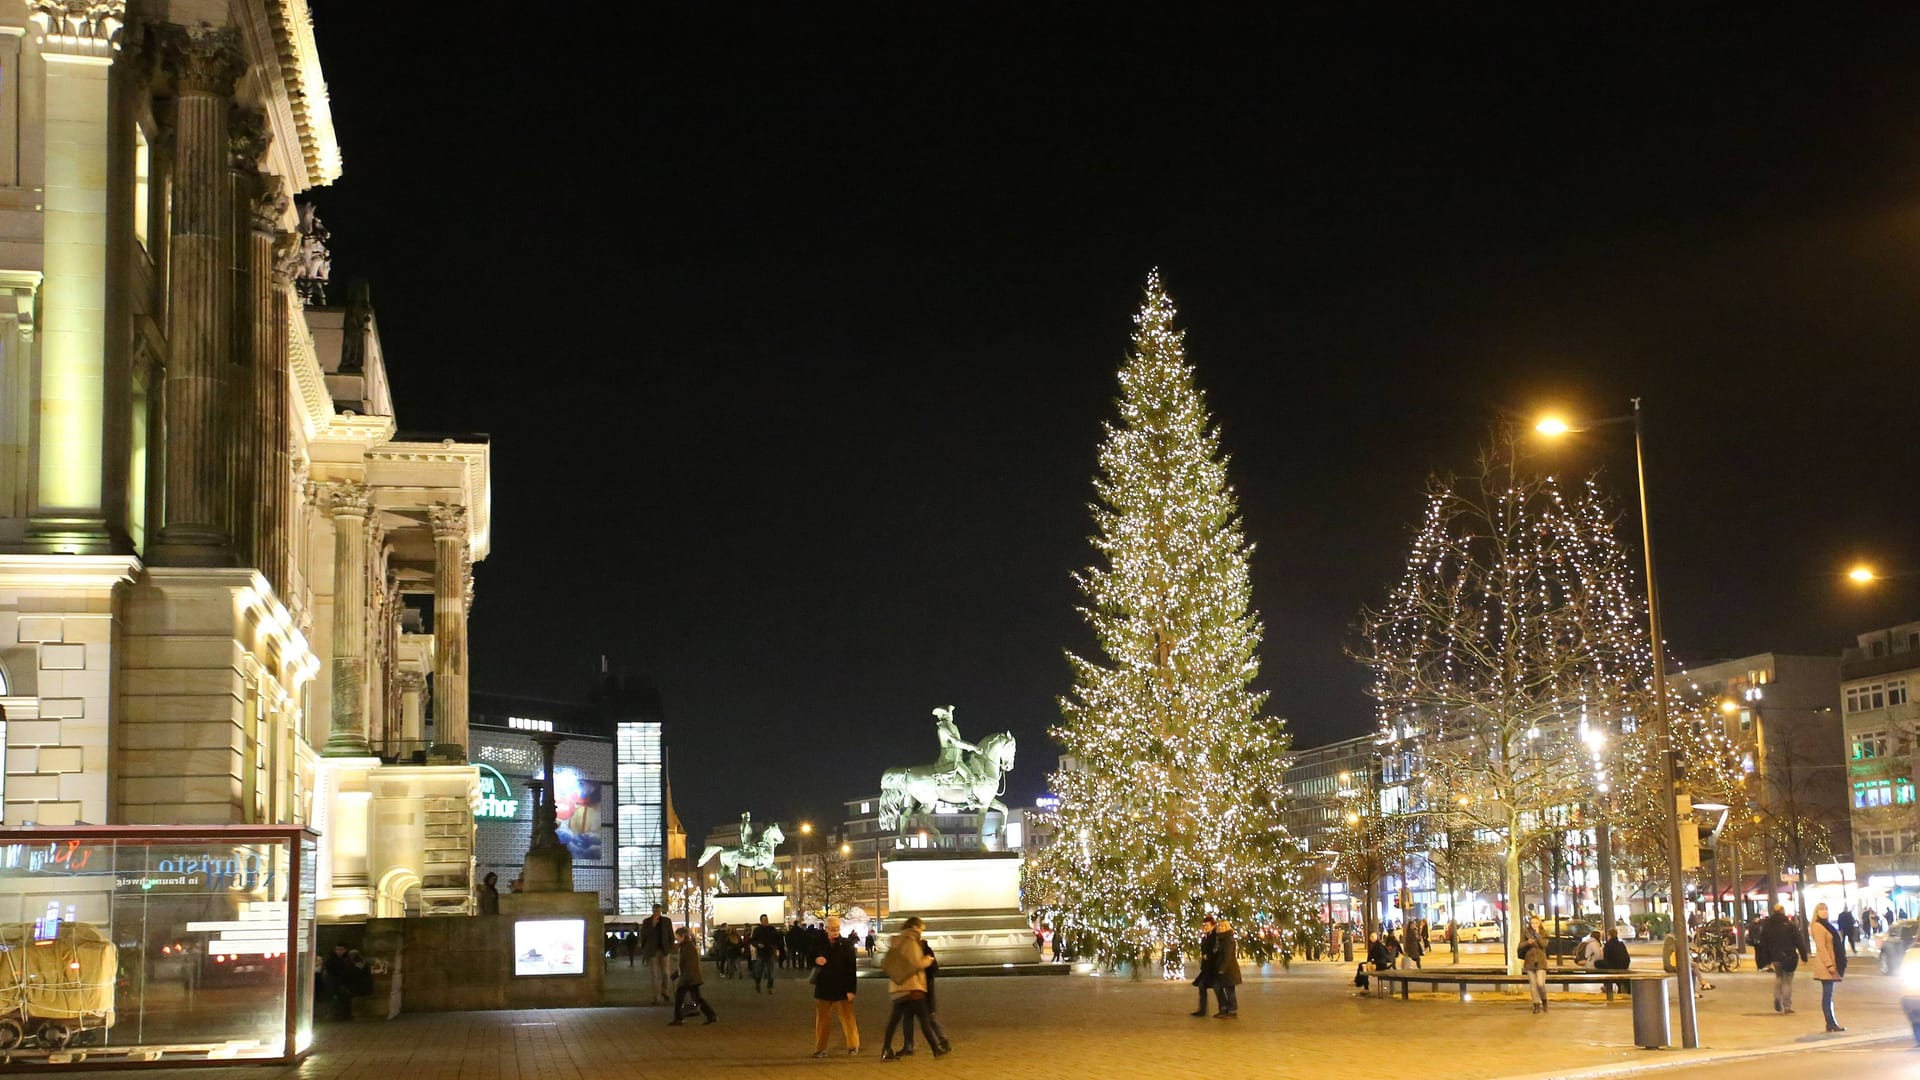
x=1784 y=950
x=1614 y=957
x=836 y=975
x=656 y=945
x=1849 y=929
x=766 y=949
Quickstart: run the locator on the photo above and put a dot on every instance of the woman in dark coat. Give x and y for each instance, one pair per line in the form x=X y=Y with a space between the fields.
x=836 y=972
x=1208 y=940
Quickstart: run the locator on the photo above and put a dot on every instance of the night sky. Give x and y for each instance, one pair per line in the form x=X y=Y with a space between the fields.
x=794 y=328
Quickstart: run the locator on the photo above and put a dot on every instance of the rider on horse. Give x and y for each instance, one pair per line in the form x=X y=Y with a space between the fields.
x=949 y=766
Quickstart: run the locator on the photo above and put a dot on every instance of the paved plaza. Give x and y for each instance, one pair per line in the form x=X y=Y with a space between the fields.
x=1303 y=1022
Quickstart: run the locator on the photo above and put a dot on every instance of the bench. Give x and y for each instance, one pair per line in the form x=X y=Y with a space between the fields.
x=1380 y=981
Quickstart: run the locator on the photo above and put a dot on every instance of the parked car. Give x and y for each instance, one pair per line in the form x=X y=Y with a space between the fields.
x=1486 y=930
x=1895 y=943
x=1566 y=942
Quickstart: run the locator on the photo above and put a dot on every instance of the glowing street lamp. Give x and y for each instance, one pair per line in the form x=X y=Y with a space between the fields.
x=1555 y=427
x=1862 y=574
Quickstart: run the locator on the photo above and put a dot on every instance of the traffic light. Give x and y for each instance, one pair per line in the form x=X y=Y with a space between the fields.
x=1689 y=835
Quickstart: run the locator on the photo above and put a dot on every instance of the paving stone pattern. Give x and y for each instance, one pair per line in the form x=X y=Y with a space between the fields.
x=1304 y=1022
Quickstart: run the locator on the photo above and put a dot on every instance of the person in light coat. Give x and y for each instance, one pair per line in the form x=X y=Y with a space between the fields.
x=1826 y=962
x=906 y=966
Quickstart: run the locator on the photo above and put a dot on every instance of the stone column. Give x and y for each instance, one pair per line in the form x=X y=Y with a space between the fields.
x=261 y=480
x=413 y=696
x=205 y=63
x=449 y=631
x=349 y=504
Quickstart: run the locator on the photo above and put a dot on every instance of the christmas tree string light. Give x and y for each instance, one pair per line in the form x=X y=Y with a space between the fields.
x=1173 y=808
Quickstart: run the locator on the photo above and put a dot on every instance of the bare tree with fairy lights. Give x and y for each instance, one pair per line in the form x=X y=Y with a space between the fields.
x=1509 y=656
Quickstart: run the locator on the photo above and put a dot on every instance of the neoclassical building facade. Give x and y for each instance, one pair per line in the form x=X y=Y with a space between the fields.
x=232 y=589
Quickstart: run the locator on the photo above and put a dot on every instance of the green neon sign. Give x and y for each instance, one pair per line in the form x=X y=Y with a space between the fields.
x=497 y=800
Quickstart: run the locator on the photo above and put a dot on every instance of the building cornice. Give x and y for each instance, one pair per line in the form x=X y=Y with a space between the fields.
x=290 y=24
x=66 y=571
x=477 y=493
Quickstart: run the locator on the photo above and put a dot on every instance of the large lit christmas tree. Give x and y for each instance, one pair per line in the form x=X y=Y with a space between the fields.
x=1171 y=808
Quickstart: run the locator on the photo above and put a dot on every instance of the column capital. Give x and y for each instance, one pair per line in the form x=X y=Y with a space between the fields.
x=205 y=59
x=248 y=137
x=449 y=521
x=347 y=498
x=410 y=682
x=77 y=27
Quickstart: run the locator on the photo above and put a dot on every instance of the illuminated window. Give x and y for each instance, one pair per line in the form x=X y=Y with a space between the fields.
x=1868 y=745
x=142 y=186
x=1896 y=692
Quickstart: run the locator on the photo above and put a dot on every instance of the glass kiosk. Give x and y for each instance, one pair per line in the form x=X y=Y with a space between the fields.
x=169 y=944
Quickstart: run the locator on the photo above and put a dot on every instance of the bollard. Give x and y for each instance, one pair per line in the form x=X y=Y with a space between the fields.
x=1650 y=1025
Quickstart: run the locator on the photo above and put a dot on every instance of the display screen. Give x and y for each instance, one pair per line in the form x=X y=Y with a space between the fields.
x=550 y=947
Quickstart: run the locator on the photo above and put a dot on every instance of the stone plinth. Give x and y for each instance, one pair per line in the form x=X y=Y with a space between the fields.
x=969 y=901
x=448 y=965
x=745 y=909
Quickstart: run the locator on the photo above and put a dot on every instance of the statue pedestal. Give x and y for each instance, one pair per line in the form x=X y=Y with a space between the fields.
x=745 y=909
x=970 y=902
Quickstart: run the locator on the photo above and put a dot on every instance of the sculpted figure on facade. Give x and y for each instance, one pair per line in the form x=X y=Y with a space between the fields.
x=314 y=263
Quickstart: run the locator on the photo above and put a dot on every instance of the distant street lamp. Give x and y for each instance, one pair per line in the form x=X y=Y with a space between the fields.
x=1554 y=427
x=800 y=876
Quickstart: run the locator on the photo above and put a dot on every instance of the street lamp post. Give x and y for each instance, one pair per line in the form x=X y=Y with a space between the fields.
x=799 y=869
x=1663 y=730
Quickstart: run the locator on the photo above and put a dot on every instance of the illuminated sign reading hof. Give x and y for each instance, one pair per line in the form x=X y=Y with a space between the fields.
x=498 y=801
x=549 y=947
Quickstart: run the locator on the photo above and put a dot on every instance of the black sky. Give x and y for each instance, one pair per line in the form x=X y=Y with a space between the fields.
x=794 y=327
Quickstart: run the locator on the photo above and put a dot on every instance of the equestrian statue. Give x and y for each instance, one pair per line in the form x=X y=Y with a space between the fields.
x=751 y=854
x=965 y=776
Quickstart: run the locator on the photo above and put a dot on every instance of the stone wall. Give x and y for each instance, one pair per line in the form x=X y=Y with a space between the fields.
x=462 y=964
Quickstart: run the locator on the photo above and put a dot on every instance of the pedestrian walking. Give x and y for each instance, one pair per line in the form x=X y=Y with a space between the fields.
x=766 y=951
x=1416 y=943
x=1825 y=961
x=338 y=974
x=1533 y=961
x=490 y=894
x=934 y=1031
x=1849 y=930
x=1226 y=970
x=1780 y=942
x=871 y=942
x=836 y=972
x=690 y=980
x=656 y=945
x=1209 y=939
x=906 y=965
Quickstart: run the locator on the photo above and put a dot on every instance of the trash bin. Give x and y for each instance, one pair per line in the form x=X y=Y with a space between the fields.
x=1650 y=1027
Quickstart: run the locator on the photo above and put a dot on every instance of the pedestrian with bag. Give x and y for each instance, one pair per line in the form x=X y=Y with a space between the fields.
x=934 y=1030
x=1781 y=944
x=906 y=964
x=1826 y=961
x=835 y=978
x=1533 y=961
x=690 y=980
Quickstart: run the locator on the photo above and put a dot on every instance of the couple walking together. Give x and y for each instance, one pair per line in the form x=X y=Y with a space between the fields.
x=911 y=970
x=1219 y=968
